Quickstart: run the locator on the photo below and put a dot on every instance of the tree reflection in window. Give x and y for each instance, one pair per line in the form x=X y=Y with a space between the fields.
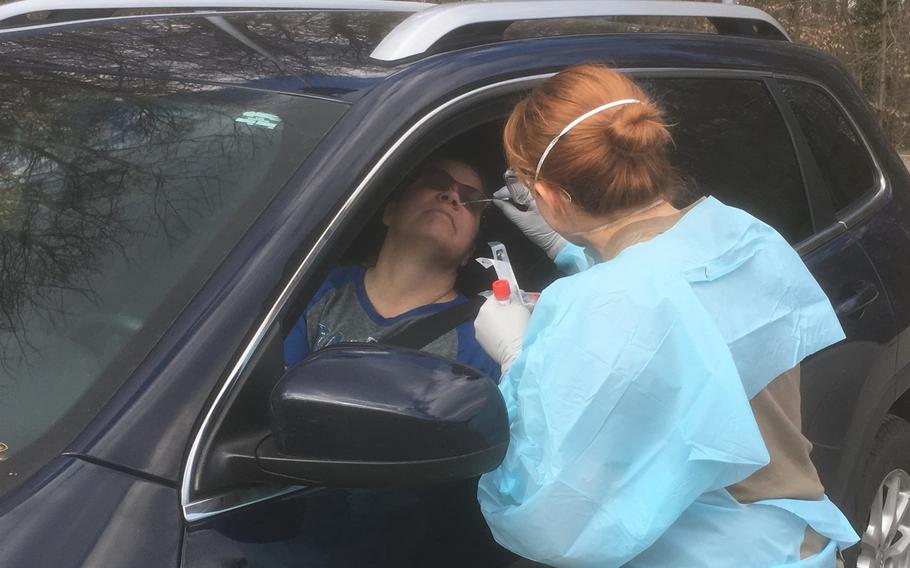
x=86 y=173
x=316 y=52
x=115 y=205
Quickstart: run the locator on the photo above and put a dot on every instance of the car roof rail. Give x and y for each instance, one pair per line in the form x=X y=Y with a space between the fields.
x=449 y=26
x=18 y=14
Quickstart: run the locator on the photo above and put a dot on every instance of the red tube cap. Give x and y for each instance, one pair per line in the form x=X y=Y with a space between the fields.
x=501 y=289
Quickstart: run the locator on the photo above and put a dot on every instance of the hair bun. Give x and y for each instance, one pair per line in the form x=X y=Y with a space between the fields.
x=635 y=128
x=613 y=159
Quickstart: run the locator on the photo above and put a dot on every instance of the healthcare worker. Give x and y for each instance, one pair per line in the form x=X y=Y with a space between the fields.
x=653 y=395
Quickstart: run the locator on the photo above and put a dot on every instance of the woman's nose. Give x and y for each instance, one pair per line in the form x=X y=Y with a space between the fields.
x=450 y=197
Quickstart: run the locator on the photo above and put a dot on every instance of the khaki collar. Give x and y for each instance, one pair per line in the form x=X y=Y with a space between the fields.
x=641 y=231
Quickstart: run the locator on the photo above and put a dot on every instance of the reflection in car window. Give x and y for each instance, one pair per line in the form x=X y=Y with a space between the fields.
x=731 y=142
x=606 y=24
x=115 y=205
x=314 y=52
x=843 y=160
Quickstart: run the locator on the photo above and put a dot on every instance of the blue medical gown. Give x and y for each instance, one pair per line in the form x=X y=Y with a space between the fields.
x=629 y=404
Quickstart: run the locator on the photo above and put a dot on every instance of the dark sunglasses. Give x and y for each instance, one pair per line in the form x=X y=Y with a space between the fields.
x=470 y=197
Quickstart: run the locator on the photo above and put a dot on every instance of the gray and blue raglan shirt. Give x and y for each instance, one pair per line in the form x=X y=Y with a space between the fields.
x=341 y=311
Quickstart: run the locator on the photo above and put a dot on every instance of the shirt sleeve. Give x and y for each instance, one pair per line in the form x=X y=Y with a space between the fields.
x=296 y=344
x=572 y=259
x=623 y=409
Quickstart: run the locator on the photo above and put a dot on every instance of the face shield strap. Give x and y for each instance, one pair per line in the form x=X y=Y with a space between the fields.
x=574 y=123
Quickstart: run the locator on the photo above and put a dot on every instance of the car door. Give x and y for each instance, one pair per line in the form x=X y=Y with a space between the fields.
x=246 y=524
x=735 y=137
x=731 y=142
x=234 y=522
x=431 y=526
x=847 y=414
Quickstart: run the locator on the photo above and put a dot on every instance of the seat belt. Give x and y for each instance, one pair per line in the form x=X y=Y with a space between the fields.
x=426 y=330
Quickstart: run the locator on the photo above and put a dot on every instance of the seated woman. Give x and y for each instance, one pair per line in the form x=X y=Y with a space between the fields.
x=432 y=227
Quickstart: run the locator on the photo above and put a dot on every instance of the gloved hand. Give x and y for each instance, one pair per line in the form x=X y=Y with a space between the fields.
x=531 y=224
x=499 y=330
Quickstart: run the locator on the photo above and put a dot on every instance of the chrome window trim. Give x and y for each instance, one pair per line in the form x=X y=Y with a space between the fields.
x=235 y=499
x=203 y=508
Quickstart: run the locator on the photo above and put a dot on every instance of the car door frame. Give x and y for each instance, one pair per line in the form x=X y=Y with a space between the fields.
x=878 y=393
x=336 y=235
x=828 y=225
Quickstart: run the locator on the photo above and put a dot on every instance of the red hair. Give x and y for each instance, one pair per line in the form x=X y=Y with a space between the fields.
x=614 y=159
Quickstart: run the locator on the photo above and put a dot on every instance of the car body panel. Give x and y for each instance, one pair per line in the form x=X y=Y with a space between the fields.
x=77 y=513
x=837 y=381
x=872 y=380
x=437 y=525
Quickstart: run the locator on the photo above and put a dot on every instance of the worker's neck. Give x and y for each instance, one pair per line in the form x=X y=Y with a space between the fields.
x=402 y=280
x=602 y=236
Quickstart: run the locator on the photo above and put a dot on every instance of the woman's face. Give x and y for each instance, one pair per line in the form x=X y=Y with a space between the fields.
x=432 y=212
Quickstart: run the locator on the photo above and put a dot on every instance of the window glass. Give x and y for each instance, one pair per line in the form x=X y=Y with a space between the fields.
x=843 y=160
x=318 y=52
x=731 y=142
x=115 y=205
x=606 y=24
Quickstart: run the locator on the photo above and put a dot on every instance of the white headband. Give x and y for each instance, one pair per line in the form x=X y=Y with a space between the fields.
x=575 y=122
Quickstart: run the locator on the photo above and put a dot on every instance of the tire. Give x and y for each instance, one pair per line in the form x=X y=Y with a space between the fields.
x=890 y=451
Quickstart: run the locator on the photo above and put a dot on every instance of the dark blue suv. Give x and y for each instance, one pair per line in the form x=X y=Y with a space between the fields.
x=178 y=177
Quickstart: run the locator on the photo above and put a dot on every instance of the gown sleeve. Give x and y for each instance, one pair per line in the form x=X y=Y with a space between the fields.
x=624 y=407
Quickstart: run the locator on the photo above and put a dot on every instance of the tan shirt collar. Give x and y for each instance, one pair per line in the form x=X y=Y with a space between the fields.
x=641 y=231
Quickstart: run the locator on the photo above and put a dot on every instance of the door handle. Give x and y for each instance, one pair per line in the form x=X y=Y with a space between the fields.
x=859 y=301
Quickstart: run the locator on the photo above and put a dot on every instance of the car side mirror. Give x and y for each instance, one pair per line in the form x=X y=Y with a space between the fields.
x=367 y=415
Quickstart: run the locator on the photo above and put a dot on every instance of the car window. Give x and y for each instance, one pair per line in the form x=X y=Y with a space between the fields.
x=843 y=160
x=731 y=142
x=118 y=197
x=303 y=51
x=545 y=27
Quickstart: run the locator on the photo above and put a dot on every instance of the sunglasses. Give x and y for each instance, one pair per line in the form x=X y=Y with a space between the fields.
x=470 y=197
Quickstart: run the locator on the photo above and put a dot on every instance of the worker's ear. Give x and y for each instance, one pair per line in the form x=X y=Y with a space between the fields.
x=554 y=197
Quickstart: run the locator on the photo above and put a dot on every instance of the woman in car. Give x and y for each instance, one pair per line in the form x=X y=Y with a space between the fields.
x=430 y=235
x=653 y=396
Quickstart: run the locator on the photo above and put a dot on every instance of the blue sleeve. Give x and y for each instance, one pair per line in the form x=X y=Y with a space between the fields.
x=623 y=409
x=572 y=259
x=472 y=354
x=296 y=344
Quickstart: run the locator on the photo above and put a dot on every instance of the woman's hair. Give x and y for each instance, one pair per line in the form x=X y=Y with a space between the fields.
x=614 y=159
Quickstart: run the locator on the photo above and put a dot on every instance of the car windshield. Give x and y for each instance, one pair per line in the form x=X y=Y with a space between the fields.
x=117 y=199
